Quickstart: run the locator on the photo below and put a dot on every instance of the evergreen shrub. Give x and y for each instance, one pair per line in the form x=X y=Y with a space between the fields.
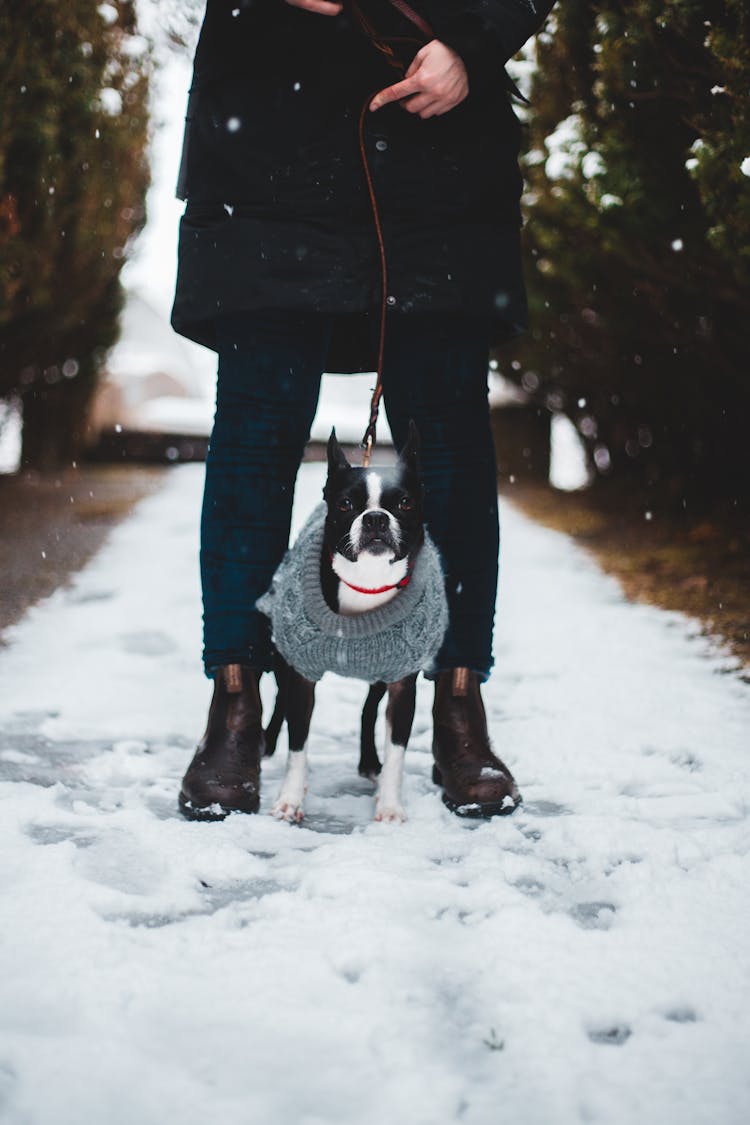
x=638 y=239
x=73 y=176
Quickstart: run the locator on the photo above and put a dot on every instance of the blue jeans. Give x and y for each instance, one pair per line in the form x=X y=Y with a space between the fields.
x=270 y=365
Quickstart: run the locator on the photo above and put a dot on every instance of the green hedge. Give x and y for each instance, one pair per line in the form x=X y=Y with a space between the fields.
x=73 y=177
x=638 y=238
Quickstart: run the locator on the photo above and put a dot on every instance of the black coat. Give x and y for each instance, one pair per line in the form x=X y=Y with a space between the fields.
x=278 y=214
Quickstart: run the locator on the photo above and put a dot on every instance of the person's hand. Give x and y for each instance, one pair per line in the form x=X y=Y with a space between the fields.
x=323 y=7
x=435 y=82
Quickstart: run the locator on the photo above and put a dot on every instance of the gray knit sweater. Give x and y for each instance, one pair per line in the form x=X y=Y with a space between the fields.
x=386 y=643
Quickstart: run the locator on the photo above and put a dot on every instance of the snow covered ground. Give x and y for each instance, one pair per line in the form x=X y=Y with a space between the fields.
x=585 y=960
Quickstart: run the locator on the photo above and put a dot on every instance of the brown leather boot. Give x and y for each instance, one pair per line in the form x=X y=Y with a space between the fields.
x=475 y=782
x=224 y=775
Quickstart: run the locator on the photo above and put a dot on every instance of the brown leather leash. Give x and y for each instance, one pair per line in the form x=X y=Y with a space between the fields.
x=382 y=44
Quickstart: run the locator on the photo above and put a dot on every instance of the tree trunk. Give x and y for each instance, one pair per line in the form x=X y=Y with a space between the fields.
x=54 y=422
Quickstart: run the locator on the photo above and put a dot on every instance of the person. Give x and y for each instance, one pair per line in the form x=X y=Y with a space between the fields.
x=293 y=105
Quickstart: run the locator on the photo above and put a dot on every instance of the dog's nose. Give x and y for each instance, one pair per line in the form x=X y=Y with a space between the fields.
x=375 y=521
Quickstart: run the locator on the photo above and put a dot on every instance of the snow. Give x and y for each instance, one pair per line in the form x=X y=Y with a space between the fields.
x=566 y=149
x=585 y=959
x=593 y=164
x=345 y=403
x=108 y=13
x=148 y=344
x=568 y=468
x=111 y=101
x=10 y=437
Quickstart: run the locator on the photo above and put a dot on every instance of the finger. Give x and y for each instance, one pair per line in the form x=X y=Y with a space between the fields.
x=322 y=7
x=401 y=89
x=434 y=109
x=414 y=66
x=418 y=102
x=439 y=103
x=426 y=106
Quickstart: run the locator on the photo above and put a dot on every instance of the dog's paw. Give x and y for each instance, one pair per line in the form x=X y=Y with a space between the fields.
x=393 y=814
x=369 y=769
x=288 y=809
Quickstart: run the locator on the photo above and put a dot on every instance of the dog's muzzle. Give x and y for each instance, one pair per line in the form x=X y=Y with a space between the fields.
x=376 y=532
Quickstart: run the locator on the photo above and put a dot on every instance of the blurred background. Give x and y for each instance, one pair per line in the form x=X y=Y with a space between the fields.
x=627 y=402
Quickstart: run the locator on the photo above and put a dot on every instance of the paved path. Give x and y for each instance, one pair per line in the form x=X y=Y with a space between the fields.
x=585 y=960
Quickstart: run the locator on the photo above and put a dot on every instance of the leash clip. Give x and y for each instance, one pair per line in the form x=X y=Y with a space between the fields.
x=366 y=444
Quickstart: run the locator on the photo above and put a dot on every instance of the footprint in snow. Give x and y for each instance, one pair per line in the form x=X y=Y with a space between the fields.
x=79 y=597
x=613 y=1036
x=594 y=915
x=686 y=760
x=545 y=808
x=531 y=887
x=48 y=834
x=681 y=1015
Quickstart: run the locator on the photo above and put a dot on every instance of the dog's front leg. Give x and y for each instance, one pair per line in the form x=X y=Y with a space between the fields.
x=399 y=717
x=369 y=762
x=300 y=699
x=288 y=804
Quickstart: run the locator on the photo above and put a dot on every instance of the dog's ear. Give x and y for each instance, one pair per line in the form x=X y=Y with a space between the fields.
x=409 y=455
x=336 y=457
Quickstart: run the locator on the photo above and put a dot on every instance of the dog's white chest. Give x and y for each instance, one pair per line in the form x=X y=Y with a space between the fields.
x=358 y=580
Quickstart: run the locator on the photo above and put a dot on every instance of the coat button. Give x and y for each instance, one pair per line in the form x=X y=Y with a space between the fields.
x=381 y=145
x=390 y=300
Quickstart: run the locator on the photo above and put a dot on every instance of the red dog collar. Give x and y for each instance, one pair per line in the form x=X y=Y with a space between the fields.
x=378 y=589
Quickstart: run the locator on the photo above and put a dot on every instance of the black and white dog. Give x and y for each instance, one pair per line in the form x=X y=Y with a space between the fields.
x=374 y=528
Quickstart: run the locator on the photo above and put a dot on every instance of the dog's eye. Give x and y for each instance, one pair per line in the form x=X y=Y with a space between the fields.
x=405 y=504
x=345 y=505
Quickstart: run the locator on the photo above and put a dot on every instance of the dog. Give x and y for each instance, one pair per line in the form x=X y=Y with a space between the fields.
x=374 y=529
